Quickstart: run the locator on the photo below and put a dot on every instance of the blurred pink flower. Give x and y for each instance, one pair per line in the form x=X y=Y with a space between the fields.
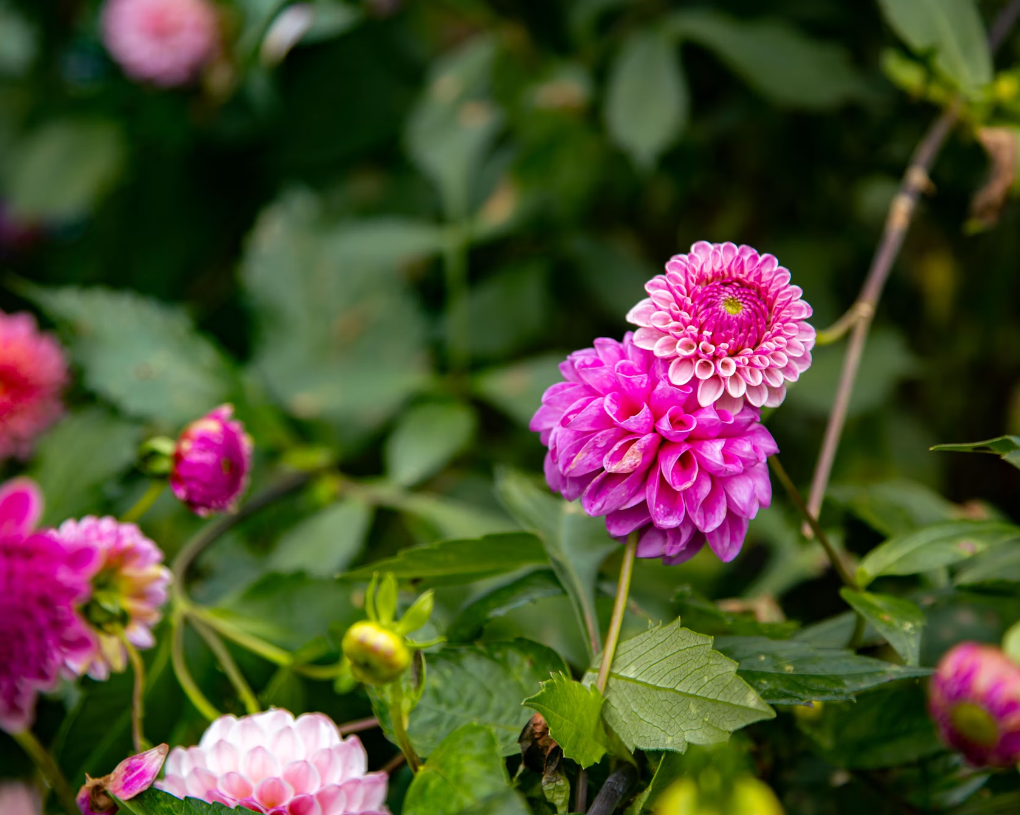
x=165 y=42
x=271 y=763
x=42 y=583
x=728 y=319
x=129 y=584
x=131 y=777
x=18 y=798
x=211 y=463
x=648 y=456
x=33 y=373
x=974 y=699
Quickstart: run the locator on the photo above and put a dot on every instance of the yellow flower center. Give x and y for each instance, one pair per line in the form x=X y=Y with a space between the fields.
x=732 y=306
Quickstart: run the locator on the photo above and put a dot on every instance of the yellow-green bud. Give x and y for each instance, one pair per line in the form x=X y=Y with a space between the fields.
x=744 y=795
x=377 y=655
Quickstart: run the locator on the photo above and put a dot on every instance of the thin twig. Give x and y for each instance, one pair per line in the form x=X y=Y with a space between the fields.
x=358 y=726
x=613 y=790
x=226 y=660
x=394 y=764
x=137 y=694
x=581 y=793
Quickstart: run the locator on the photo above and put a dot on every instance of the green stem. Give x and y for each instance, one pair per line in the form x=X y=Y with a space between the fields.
x=622 y=591
x=857 y=637
x=399 y=720
x=184 y=678
x=458 y=326
x=223 y=656
x=144 y=504
x=48 y=769
x=266 y=650
x=137 y=695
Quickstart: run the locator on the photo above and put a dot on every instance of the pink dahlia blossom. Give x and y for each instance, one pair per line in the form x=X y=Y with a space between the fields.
x=644 y=453
x=211 y=462
x=17 y=798
x=726 y=319
x=269 y=762
x=42 y=583
x=975 y=702
x=129 y=584
x=33 y=373
x=165 y=42
x=131 y=777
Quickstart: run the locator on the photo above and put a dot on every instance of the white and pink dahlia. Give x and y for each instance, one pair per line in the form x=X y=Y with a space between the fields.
x=271 y=763
x=728 y=321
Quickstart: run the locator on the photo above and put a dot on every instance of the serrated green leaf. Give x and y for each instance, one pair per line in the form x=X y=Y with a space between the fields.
x=900 y=621
x=325 y=543
x=647 y=101
x=667 y=688
x=426 y=438
x=460 y=561
x=471 y=619
x=796 y=673
x=775 y=58
x=1005 y=447
x=573 y=713
x=483 y=684
x=952 y=28
x=933 y=547
x=466 y=769
x=517 y=389
x=168 y=371
x=157 y=802
x=576 y=543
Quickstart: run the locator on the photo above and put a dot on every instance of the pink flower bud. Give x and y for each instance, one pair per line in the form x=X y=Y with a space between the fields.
x=211 y=463
x=17 y=798
x=132 y=776
x=975 y=702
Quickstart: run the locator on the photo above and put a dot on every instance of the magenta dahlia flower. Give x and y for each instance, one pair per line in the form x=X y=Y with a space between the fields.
x=17 y=798
x=271 y=763
x=974 y=699
x=129 y=584
x=727 y=319
x=130 y=778
x=211 y=462
x=33 y=373
x=644 y=453
x=165 y=42
x=42 y=583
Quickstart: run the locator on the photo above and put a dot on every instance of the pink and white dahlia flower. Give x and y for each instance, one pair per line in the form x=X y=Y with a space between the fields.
x=129 y=584
x=133 y=776
x=647 y=455
x=975 y=702
x=42 y=583
x=212 y=460
x=165 y=42
x=33 y=373
x=271 y=763
x=728 y=321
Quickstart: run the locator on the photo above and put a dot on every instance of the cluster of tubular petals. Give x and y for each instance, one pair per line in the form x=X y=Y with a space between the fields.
x=727 y=320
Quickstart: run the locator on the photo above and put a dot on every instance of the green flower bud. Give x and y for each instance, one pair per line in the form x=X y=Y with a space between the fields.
x=377 y=655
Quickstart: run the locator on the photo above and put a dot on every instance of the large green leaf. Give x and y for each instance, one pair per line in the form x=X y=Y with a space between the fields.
x=325 y=543
x=460 y=561
x=340 y=336
x=464 y=771
x=167 y=371
x=893 y=507
x=667 y=689
x=774 y=58
x=997 y=565
x=574 y=715
x=426 y=438
x=933 y=547
x=787 y=672
x=483 y=684
x=576 y=543
x=471 y=620
x=900 y=621
x=952 y=28
x=156 y=802
x=1006 y=447
x=647 y=101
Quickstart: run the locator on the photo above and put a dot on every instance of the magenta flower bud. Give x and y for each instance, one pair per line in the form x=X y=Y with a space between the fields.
x=975 y=702
x=211 y=463
x=132 y=777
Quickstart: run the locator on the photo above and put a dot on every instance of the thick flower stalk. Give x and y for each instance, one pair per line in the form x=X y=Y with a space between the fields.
x=647 y=455
x=211 y=462
x=728 y=321
x=131 y=777
x=273 y=763
x=128 y=585
x=42 y=584
x=164 y=42
x=33 y=374
x=975 y=702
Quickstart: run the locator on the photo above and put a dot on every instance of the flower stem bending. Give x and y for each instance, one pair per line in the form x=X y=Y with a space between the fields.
x=144 y=504
x=622 y=591
x=48 y=769
x=184 y=677
x=137 y=695
x=399 y=720
x=222 y=654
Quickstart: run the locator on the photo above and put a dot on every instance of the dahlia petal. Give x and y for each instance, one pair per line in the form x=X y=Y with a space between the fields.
x=21 y=505
x=776 y=396
x=632 y=454
x=675 y=425
x=592 y=417
x=696 y=494
x=678 y=465
x=597 y=375
x=665 y=504
x=612 y=491
x=652 y=542
x=740 y=494
x=624 y=415
x=713 y=509
x=757 y=394
x=647 y=337
x=727 y=539
x=353 y=758
x=586 y=453
x=258 y=764
x=273 y=792
x=223 y=757
x=304 y=805
x=302 y=776
x=199 y=781
x=709 y=390
x=622 y=522
x=681 y=370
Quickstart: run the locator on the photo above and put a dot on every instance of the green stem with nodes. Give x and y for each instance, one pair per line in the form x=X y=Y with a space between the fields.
x=223 y=656
x=137 y=694
x=144 y=504
x=48 y=769
x=622 y=592
x=184 y=678
x=399 y=720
